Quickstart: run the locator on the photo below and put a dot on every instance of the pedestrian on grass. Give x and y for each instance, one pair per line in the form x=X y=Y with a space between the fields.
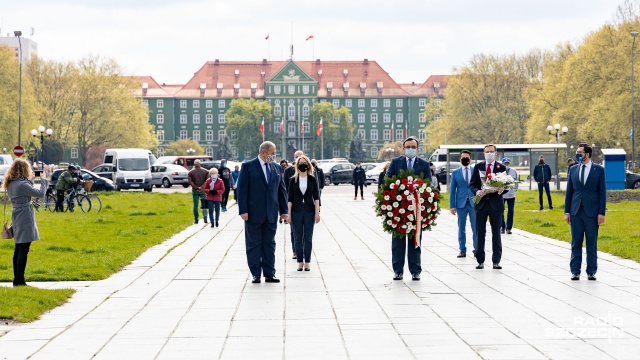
x=20 y=189
x=197 y=177
x=509 y=197
x=542 y=175
x=214 y=188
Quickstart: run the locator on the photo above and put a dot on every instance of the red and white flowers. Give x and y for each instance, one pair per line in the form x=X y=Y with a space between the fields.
x=493 y=182
x=399 y=198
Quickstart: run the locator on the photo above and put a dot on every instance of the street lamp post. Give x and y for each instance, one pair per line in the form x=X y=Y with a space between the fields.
x=18 y=34
x=42 y=131
x=558 y=134
x=190 y=151
x=634 y=34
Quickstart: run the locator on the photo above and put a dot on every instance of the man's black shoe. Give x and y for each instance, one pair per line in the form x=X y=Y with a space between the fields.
x=205 y=221
x=397 y=276
x=256 y=280
x=502 y=231
x=541 y=208
x=591 y=277
x=480 y=266
x=497 y=266
x=550 y=207
x=271 y=279
x=509 y=231
x=415 y=277
x=575 y=276
x=461 y=254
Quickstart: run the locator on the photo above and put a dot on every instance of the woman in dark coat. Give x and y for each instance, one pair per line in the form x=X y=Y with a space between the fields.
x=382 y=174
x=304 y=209
x=20 y=190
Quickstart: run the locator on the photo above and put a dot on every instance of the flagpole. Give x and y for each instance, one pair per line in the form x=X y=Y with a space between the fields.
x=322 y=141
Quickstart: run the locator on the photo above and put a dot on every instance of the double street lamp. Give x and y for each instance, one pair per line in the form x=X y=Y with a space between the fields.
x=190 y=151
x=391 y=152
x=42 y=131
x=559 y=132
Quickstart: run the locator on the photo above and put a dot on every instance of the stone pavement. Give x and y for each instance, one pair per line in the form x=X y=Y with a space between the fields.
x=191 y=297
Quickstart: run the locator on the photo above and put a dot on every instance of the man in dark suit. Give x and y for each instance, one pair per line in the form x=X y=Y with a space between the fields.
x=584 y=208
x=461 y=202
x=491 y=206
x=399 y=244
x=261 y=194
x=542 y=175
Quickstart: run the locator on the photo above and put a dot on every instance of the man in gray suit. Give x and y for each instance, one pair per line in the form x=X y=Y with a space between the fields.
x=584 y=208
x=261 y=195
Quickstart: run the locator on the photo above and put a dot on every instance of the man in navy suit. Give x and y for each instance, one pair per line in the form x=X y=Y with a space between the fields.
x=584 y=208
x=491 y=206
x=410 y=160
x=461 y=202
x=261 y=194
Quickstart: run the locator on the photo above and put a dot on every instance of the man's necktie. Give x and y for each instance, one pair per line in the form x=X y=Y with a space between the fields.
x=268 y=172
x=410 y=163
x=582 y=174
x=488 y=169
x=466 y=174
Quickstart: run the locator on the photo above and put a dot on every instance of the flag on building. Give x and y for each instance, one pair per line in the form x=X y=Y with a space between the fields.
x=267 y=38
x=281 y=126
x=391 y=131
x=262 y=128
x=319 y=131
x=310 y=37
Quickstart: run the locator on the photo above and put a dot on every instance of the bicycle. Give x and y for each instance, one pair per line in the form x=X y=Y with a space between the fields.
x=93 y=199
x=70 y=200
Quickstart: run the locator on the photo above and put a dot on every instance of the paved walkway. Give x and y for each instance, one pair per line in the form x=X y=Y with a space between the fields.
x=192 y=298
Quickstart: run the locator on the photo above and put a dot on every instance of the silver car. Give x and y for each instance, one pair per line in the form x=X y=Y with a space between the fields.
x=168 y=175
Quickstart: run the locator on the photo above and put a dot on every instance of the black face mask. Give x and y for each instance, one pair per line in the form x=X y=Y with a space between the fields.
x=465 y=161
x=303 y=167
x=541 y=162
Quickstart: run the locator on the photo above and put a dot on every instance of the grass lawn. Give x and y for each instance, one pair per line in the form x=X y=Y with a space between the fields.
x=91 y=246
x=619 y=235
x=27 y=303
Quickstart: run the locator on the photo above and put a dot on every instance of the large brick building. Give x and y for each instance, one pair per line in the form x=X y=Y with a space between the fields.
x=375 y=101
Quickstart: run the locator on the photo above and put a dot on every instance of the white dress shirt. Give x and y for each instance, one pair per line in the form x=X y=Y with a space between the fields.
x=264 y=170
x=587 y=170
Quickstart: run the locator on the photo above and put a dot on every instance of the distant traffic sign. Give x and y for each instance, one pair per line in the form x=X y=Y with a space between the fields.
x=18 y=151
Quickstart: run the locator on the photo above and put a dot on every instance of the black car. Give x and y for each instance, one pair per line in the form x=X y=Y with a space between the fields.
x=633 y=180
x=104 y=170
x=99 y=183
x=441 y=171
x=337 y=173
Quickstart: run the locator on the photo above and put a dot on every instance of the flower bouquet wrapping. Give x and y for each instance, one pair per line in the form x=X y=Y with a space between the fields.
x=407 y=205
x=493 y=181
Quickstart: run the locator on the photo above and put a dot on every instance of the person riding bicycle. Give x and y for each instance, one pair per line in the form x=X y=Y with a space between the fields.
x=65 y=180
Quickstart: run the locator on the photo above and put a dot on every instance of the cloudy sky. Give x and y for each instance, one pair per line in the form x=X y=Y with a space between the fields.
x=411 y=39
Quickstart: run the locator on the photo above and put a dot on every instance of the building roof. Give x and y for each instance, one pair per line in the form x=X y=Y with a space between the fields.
x=147 y=86
x=436 y=85
x=254 y=74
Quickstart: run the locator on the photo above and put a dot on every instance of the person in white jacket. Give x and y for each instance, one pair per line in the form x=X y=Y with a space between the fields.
x=509 y=198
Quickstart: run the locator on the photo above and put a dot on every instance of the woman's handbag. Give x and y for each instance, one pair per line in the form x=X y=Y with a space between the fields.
x=7 y=230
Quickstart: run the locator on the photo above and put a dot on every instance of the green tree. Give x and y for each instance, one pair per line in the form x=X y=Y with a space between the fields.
x=180 y=147
x=9 y=104
x=337 y=128
x=244 y=117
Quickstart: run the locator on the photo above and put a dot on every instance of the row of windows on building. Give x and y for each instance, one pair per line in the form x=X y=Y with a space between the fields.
x=347 y=102
x=373 y=118
x=291 y=132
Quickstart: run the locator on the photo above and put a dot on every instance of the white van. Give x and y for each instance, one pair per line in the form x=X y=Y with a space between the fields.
x=6 y=159
x=132 y=168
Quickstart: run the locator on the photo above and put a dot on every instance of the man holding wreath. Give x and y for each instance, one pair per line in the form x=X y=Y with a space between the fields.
x=410 y=160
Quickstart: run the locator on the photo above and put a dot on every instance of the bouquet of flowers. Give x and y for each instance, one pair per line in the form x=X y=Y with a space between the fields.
x=407 y=205
x=494 y=181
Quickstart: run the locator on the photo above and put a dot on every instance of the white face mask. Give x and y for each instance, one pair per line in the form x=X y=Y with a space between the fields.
x=271 y=158
x=489 y=157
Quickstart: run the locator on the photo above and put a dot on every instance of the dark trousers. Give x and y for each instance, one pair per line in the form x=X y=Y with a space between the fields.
x=213 y=205
x=302 y=223
x=398 y=250
x=261 y=247
x=59 y=200
x=508 y=225
x=20 y=263
x=546 y=188
x=225 y=195
x=583 y=226
x=495 y=218
x=361 y=185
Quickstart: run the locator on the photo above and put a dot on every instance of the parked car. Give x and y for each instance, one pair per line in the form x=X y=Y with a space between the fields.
x=186 y=161
x=168 y=175
x=99 y=183
x=104 y=170
x=373 y=173
x=441 y=171
x=6 y=159
x=337 y=173
x=633 y=180
x=3 y=170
